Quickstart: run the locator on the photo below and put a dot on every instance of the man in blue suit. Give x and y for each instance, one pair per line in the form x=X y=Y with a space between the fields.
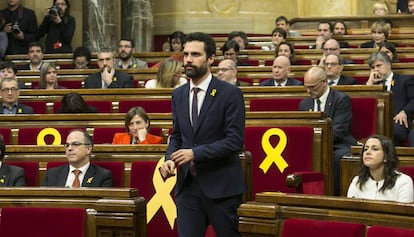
x=205 y=144
x=280 y=72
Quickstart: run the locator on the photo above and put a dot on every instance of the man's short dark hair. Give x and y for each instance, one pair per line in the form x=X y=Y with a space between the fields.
x=282 y=18
x=230 y=44
x=129 y=40
x=8 y=64
x=343 y=23
x=378 y=56
x=241 y=34
x=281 y=31
x=36 y=44
x=209 y=43
x=82 y=52
x=331 y=27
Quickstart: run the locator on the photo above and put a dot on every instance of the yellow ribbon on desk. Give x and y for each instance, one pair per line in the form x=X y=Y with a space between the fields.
x=274 y=154
x=57 y=139
x=162 y=198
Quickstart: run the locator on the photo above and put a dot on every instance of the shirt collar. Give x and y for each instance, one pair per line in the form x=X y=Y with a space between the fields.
x=83 y=169
x=203 y=85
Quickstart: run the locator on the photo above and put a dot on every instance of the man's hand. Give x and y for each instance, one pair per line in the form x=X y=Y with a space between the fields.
x=319 y=42
x=167 y=169
x=182 y=156
x=374 y=78
x=401 y=118
x=107 y=75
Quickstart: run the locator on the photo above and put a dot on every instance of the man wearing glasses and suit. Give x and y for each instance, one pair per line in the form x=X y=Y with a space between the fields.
x=79 y=172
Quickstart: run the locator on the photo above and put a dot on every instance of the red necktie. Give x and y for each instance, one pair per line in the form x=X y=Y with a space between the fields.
x=76 y=182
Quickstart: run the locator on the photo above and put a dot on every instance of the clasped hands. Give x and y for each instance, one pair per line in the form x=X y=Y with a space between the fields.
x=177 y=158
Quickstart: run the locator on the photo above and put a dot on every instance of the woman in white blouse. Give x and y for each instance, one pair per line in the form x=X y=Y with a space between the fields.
x=169 y=75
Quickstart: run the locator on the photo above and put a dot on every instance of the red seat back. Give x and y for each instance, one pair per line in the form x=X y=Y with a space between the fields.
x=41 y=221
x=39 y=107
x=319 y=228
x=6 y=133
x=383 y=231
x=105 y=135
x=103 y=106
x=29 y=136
x=364 y=126
x=31 y=171
x=150 y=106
x=297 y=154
x=275 y=104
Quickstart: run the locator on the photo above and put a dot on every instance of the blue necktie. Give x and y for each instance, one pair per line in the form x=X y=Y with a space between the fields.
x=194 y=107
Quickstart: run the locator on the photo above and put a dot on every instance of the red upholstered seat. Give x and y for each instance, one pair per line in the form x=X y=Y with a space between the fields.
x=297 y=154
x=250 y=62
x=45 y=222
x=248 y=80
x=105 y=135
x=28 y=136
x=302 y=62
x=31 y=171
x=385 y=231
x=364 y=126
x=6 y=133
x=408 y=170
x=362 y=79
x=319 y=228
x=103 y=106
x=275 y=104
x=150 y=106
x=39 y=107
x=116 y=167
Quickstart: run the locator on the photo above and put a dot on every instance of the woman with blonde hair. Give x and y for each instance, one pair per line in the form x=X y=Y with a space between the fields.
x=48 y=77
x=168 y=75
x=380 y=9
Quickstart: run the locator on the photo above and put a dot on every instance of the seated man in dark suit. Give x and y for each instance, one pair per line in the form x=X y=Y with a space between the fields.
x=227 y=71
x=10 y=175
x=109 y=77
x=326 y=31
x=10 y=93
x=280 y=71
x=334 y=64
x=79 y=172
x=35 y=53
x=337 y=105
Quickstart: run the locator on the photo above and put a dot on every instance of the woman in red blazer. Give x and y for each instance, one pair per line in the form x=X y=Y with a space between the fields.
x=137 y=125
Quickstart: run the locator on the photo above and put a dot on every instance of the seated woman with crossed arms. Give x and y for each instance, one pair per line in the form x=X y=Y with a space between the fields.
x=137 y=125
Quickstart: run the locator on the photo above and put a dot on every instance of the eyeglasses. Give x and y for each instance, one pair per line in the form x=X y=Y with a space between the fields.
x=75 y=144
x=7 y=90
x=224 y=69
x=331 y=64
x=330 y=49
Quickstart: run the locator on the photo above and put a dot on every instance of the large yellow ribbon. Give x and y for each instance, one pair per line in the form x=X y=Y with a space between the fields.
x=57 y=139
x=274 y=154
x=162 y=197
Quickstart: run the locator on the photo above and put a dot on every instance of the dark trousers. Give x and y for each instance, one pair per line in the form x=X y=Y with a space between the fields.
x=195 y=211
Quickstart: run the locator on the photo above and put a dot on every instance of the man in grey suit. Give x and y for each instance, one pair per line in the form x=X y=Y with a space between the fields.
x=10 y=93
x=337 y=105
x=280 y=72
x=126 y=50
x=108 y=77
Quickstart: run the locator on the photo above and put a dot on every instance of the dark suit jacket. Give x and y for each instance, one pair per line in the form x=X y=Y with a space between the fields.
x=95 y=177
x=343 y=80
x=342 y=44
x=216 y=141
x=403 y=91
x=11 y=175
x=290 y=82
x=371 y=44
x=120 y=80
x=338 y=107
x=21 y=109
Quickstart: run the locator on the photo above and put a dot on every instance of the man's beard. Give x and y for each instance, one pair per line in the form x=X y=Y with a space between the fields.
x=196 y=72
x=125 y=56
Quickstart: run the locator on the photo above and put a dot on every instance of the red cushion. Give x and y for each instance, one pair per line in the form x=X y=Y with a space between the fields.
x=45 y=222
x=383 y=231
x=31 y=171
x=105 y=135
x=150 y=106
x=319 y=228
x=250 y=62
x=39 y=107
x=6 y=133
x=297 y=159
x=28 y=136
x=103 y=106
x=364 y=126
x=275 y=104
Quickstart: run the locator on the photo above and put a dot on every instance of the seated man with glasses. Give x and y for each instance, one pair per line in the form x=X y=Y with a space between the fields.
x=334 y=64
x=337 y=106
x=126 y=50
x=10 y=93
x=227 y=71
x=79 y=172
x=331 y=47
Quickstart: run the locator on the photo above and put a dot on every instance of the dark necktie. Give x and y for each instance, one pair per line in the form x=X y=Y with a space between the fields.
x=331 y=82
x=194 y=107
x=318 y=103
x=279 y=84
x=76 y=182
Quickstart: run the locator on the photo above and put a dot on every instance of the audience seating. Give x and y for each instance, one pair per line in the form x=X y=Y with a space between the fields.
x=6 y=133
x=383 y=231
x=42 y=221
x=297 y=154
x=276 y=104
x=320 y=228
x=102 y=106
x=31 y=171
x=116 y=167
x=150 y=106
x=105 y=135
x=364 y=117
x=29 y=136
x=39 y=107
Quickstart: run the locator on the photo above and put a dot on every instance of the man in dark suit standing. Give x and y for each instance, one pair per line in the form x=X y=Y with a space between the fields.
x=79 y=172
x=208 y=134
x=402 y=88
x=108 y=77
x=334 y=64
x=10 y=93
x=10 y=175
x=337 y=105
x=280 y=72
